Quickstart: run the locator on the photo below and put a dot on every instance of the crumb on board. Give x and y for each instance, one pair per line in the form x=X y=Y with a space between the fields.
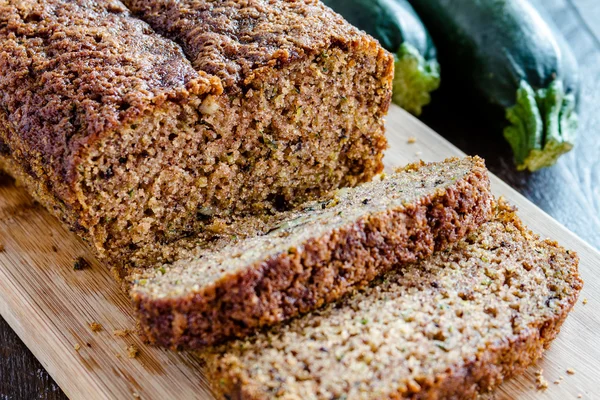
x=418 y=153
x=540 y=382
x=95 y=327
x=121 y=332
x=579 y=396
x=136 y=395
x=80 y=263
x=570 y=371
x=557 y=381
x=2 y=248
x=117 y=355
x=411 y=140
x=584 y=301
x=54 y=249
x=77 y=347
x=132 y=351
x=88 y=345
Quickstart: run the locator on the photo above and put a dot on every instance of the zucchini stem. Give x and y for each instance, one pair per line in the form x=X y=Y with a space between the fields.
x=542 y=126
x=414 y=79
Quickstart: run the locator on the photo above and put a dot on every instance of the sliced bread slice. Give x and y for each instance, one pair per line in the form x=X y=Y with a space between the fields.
x=311 y=256
x=453 y=326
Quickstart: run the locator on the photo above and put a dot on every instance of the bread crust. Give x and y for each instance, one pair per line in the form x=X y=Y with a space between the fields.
x=292 y=283
x=239 y=40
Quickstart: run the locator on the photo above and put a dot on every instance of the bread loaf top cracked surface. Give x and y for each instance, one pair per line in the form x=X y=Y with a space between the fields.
x=453 y=326
x=234 y=39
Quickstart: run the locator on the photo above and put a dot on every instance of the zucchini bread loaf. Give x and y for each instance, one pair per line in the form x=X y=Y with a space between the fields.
x=451 y=327
x=112 y=128
x=311 y=256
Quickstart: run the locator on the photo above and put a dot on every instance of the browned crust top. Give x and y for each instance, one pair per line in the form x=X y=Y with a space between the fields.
x=233 y=39
x=72 y=70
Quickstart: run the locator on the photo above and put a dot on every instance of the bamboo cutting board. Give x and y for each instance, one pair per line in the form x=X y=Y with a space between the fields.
x=50 y=305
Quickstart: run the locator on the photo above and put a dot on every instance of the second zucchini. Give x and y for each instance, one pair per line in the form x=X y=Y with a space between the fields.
x=516 y=60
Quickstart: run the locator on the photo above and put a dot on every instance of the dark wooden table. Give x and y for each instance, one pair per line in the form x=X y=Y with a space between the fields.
x=569 y=191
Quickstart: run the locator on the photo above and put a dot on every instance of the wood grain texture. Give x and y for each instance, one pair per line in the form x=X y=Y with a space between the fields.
x=50 y=305
x=570 y=192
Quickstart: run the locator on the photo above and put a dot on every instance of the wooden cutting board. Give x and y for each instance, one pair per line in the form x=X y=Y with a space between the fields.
x=50 y=305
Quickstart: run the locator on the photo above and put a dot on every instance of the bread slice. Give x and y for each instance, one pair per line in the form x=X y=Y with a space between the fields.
x=311 y=256
x=113 y=129
x=450 y=327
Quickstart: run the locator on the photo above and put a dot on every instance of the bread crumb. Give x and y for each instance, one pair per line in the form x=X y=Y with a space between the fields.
x=570 y=371
x=80 y=263
x=584 y=301
x=540 y=381
x=95 y=327
x=579 y=396
x=132 y=351
x=77 y=347
x=418 y=153
x=136 y=395
x=2 y=248
x=556 y=382
x=54 y=249
x=117 y=355
x=411 y=140
x=121 y=332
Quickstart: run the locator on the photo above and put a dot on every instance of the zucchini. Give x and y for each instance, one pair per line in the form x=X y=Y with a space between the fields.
x=399 y=30
x=506 y=53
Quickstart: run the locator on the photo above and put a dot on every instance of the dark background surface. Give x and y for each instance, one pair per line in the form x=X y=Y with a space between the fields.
x=569 y=191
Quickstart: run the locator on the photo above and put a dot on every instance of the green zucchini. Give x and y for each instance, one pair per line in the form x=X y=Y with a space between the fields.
x=506 y=53
x=397 y=27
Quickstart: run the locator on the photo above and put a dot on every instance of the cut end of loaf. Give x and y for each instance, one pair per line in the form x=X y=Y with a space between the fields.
x=311 y=256
x=190 y=170
x=456 y=324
